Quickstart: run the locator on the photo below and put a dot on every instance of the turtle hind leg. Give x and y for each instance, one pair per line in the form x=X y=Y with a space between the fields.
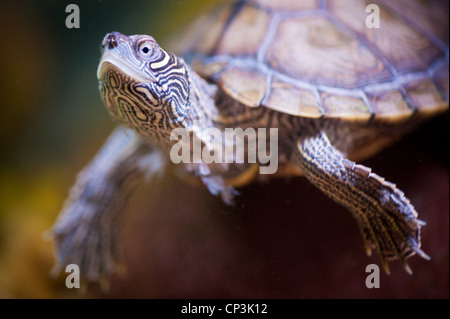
x=387 y=220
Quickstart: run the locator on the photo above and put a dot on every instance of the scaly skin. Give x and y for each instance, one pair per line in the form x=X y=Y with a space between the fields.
x=153 y=92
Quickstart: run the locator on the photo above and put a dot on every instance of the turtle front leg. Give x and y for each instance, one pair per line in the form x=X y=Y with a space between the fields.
x=86 y=233
x=387 y=220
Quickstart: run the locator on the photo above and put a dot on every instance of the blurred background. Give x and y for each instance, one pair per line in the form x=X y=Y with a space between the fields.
x=283 y=239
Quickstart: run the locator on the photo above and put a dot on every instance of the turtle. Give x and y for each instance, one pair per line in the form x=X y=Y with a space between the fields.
x=337 y=87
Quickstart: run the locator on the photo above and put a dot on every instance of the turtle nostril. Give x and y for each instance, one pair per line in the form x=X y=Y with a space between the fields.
x=111 y=40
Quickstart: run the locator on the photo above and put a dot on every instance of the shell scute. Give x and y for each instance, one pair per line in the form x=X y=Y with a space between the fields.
x=319 y=59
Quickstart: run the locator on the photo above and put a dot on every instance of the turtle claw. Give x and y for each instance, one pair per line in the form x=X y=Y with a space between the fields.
x=421 y=253
x=421 y=222
x=384 y=259
x=368 y=249
x=385 y=266
x=406 y=267
x=410 y=250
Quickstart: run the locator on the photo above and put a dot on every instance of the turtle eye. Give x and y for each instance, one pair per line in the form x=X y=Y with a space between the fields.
x=146 y=49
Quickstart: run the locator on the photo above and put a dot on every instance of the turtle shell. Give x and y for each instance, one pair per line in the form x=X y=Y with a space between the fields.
x=319 y=59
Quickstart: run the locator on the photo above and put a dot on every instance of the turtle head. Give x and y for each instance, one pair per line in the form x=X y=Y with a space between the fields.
x=143 y=86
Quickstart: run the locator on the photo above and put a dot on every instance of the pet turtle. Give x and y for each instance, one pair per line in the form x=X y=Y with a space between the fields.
x=336 y=85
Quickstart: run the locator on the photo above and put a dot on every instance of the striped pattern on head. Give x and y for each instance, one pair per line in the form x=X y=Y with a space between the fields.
x=143 y=86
